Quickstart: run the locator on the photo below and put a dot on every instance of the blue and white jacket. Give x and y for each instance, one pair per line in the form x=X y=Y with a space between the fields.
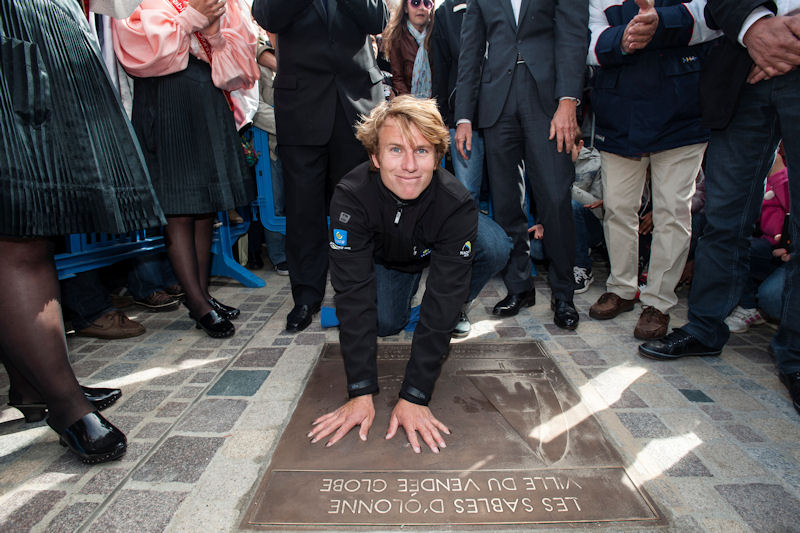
x=648 y=100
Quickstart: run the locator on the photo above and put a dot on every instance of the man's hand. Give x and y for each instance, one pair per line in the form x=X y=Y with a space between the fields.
x=782 y=253
x=774 y=45
x=640 y=30
x=596 y=203
x=359 y=411
x=464 y=138
x=646 y=223
x=564 y=125
x=417 y=418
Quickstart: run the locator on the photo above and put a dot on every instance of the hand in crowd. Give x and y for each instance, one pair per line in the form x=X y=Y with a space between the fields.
x=646 y=223
x=417 y=418
x=563 y=127
x=537 y=230
x=463 y=139
x=597 y=203
x=358 y=411
x=774 y=46
x=782 y=253
x=213 y=10
x=640 y=30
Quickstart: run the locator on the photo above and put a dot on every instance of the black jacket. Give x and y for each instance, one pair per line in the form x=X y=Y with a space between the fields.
x=370 y=225
x=445 y=46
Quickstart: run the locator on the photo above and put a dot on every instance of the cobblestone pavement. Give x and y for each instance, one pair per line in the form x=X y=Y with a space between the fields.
x=713 y=440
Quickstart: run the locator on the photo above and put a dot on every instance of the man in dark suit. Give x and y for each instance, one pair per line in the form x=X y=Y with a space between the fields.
x=526 y=93
x=751 y=99
x=327 y=77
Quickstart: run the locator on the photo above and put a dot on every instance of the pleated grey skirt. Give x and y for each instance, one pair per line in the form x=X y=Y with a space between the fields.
x=70 y=162
x=189 y=139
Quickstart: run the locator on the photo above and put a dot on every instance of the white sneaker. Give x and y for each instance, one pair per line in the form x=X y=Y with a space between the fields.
x=463 y=325
x=583 y=278
x=740 y=319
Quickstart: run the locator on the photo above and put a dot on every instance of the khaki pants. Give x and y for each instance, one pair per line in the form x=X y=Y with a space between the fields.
x=673 y=174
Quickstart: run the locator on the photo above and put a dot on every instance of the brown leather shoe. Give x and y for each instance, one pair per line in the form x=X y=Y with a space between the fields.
x=113 y=325
x=652 y=324
x=609 y=305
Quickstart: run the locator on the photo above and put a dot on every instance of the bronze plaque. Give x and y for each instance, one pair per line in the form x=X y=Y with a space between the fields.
x=523 y=450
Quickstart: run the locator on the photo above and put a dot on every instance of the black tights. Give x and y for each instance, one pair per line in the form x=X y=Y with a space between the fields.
x=188 y=243
x=33 y=347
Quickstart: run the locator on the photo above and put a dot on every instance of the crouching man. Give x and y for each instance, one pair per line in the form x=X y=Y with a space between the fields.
x=391 y=218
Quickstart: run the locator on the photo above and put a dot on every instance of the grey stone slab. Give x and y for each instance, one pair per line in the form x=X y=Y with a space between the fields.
x=213 y=415
x=696 y=395
x=756 y=355
x=679 y=382
x=87 y=367
x=203 y=377
x=183 y=324
x=716 y=412
x=208 y=342
x=126 y=423
x=105 y=481
x=188 y=391
x=142 y=511
x=257 y=298
x=554 y=330
x=629 y=400
x=33 y=506
x=179 y=458
x=116 y=370
x=141 y=353
x=749 y=384
x=171 y=409
x=87 y=348
x=171 y=379
x=143 y=401
x=112 y=349
x=573 y=343
x=644 y=425
x=239 y=383
x=587 y=358
x=309 y=339
x=70 y=518
x=689 y=466
x=509 y=332
x=153 y=430
x=67 y=463
x=767 y=508
x=743 y=433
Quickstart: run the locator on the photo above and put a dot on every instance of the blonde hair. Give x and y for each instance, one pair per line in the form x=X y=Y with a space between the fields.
x=397 y=25
x=406 y=110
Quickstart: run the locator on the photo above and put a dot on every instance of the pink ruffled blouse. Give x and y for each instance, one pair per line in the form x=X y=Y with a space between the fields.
x=156 y=40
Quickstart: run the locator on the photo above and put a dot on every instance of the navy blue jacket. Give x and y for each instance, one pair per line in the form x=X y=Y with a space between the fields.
x=648 y=100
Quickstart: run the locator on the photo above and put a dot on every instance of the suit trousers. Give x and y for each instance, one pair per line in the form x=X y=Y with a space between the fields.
x=521 y=134
x=672 y=178
x=310 y=173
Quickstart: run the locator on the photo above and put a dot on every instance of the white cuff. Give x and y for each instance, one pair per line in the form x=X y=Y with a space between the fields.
x=577 y=100
x=463 y=121
x=757 y=14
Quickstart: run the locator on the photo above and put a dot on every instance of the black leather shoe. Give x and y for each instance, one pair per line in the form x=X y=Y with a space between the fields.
x=225 y=311
x=215 y=325
x=792 y=382
x=511 y=304
x=299 y=318
x=566 y=316
x=676 y=345
x=36 y=411
x=94 y=439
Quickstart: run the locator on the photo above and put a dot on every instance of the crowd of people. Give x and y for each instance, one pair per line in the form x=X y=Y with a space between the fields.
x=645 y=128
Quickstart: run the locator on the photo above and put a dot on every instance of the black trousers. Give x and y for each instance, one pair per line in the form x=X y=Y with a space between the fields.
x=310 y=174
x=521 y=134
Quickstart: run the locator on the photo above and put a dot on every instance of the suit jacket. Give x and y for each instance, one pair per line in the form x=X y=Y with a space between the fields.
x=445 y=46
x=322 y=57
x=725 y=72
x=552 y=38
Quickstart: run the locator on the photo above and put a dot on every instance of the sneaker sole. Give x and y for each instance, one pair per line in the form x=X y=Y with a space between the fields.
x=650 y=354
x=584 y=288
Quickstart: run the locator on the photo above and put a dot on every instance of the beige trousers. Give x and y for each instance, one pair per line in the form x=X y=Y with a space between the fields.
x=673 y=174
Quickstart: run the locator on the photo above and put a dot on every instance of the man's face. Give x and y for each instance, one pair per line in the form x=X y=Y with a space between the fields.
x=406 y=168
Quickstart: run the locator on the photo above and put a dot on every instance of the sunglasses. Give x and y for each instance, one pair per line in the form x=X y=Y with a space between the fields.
x=427 y=3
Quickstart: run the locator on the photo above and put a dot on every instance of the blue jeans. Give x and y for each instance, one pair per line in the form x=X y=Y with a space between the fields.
x=588 y=232
x=395 y=289
x=469 y=171
x=148 y=274
x=738 y=160
x=770 y=293
x=762 y=263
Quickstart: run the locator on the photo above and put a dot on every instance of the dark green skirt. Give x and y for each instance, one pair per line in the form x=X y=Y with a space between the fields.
x=70 y=162
x=189 y=139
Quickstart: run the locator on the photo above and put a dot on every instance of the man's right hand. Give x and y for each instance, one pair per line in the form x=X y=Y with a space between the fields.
x=463 y=139
x=359 y=411
x=640 y=30
x=774 y=45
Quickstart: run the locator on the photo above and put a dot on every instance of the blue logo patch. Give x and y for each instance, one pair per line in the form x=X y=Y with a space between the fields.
x=340 y=237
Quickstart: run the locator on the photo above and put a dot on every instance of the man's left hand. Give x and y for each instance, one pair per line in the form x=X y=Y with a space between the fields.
x=564 y=125
x=417 y=418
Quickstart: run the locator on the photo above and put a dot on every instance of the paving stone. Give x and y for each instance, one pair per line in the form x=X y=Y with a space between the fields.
x=171 y=379
x=309 y=339
x=188 y=391
x=143 y=511
x=756 y=355
x=748 y=384
x=257 y=298
x=777 y=429
x=184 y=324
x=25 y=509
x=716 y=412
x=141 y=353
x=239 y=383
x=203 y=377
x=695 y=395
x=744 y=433
x=555 y=330
x=143 y=401
x=509 y=332
x=679 y=382
x=571 y=343
x=105 y=481
x=153 y=430
x=629 y=400
x=115 y=371
x=689 y=465
x=86 y=367
x=587 y=358
x=644 y=425
x=259 y=357
x=764 y=507
x=179 y=458
x=71 y=517
x=171 y=409
x=126 y=423
x=213 y=415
